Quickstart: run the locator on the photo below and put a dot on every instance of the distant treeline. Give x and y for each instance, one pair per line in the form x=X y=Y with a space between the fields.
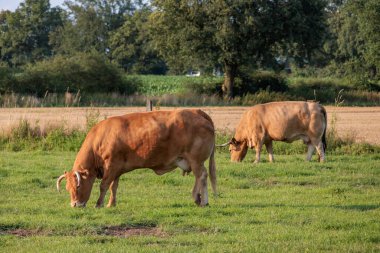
x=95 y=45
x=166 y=90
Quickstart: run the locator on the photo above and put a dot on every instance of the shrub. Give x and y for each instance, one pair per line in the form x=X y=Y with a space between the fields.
x=7 y=78
x=207 y=86
x=86 y=72
x=263 y=96
x=265 y=80
x=320 y=89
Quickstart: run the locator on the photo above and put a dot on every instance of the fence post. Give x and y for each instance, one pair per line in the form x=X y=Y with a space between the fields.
x=149 y=105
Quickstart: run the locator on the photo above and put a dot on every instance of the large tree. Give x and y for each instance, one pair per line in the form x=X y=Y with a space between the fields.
x=355 y=45
x=90 y=24
x=130 y=45
x=233 y=32
x=24 y=34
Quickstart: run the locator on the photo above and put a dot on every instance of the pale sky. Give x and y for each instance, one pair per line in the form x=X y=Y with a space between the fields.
x=13 y=4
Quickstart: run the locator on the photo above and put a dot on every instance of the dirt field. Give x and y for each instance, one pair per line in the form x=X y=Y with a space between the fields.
x=361 y=123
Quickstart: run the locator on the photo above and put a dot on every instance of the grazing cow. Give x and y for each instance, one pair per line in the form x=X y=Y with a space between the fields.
x=160 y=140
x=280 y=121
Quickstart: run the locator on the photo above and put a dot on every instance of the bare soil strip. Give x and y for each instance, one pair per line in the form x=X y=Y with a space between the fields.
x=359 y=123
x=117 y=231
x=120 y=231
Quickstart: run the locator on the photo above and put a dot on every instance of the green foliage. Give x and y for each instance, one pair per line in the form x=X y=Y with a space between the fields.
x=153 y=85
x=7 y=78
x=24 y=136
x=290 y=205
x=263 y=96
x=319 y=89
x=326 y=90
x=252 y=83
x=130 y=46
x=233 y=33
x=168 y=90
x=354 y=29
x=24 y=34
x=92 y=118
x=90 y=25
x=87 y=72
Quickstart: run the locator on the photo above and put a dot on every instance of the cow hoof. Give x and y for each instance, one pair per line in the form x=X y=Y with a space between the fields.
x=198 y=200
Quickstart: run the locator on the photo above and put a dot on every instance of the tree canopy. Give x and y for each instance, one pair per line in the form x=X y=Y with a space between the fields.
x=24 y=34
x=173 y=36
x=232 y=33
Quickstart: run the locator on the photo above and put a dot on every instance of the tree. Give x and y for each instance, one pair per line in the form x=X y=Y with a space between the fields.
x=355 y=28
x=130 y=46
x=90 y=24
x=232 y=33
x=24 y=34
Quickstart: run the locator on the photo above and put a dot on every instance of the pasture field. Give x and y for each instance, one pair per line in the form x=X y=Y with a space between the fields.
x=362 y=124
x=288 y=206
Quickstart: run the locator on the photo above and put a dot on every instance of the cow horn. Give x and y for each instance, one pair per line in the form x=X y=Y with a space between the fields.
x=59 y=182
x=224 y=144
x=78 y=178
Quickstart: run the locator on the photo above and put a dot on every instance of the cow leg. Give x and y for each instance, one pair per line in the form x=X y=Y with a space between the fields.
x=113 y=189
x=104 y=185
x=196 y=192
x=269 y=146
x=258 y=151
x=204 y=192
x=321 y=152
x=200 y=193
x=310 y=151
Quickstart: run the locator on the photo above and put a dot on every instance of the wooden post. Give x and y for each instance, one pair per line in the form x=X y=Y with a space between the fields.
x=149 y=105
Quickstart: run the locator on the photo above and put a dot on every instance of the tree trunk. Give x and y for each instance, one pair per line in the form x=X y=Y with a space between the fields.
x=229 y=80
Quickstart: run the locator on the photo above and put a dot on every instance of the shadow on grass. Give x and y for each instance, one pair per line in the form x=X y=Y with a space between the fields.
x=361 y=208
x=358 y=207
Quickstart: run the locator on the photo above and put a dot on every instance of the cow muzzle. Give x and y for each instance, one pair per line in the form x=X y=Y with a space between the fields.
x=236 y=160
x=78 y=204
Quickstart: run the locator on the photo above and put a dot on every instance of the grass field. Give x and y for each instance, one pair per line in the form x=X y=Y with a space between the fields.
x=288 y=206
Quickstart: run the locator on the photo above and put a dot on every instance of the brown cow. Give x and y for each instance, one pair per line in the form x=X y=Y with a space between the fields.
x=280 y=121
x=160 y=140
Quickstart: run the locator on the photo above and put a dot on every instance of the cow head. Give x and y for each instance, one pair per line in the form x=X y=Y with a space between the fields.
x=238 y=150
x=78 y=185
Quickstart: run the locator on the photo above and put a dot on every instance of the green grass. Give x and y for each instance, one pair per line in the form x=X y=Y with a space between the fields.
x=288 y=206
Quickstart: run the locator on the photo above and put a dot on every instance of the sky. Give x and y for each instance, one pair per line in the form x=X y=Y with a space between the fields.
x=13 y=4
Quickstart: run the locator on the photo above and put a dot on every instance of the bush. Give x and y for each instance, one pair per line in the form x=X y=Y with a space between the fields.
x=7 y=78
x=320 y=89
x=252 y=83
x=207 y=85
x=264 y=96
x=86 y=72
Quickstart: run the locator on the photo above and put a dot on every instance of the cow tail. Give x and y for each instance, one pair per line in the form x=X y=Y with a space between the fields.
x=324 y=131
x=212 y=167
x=212 y=171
